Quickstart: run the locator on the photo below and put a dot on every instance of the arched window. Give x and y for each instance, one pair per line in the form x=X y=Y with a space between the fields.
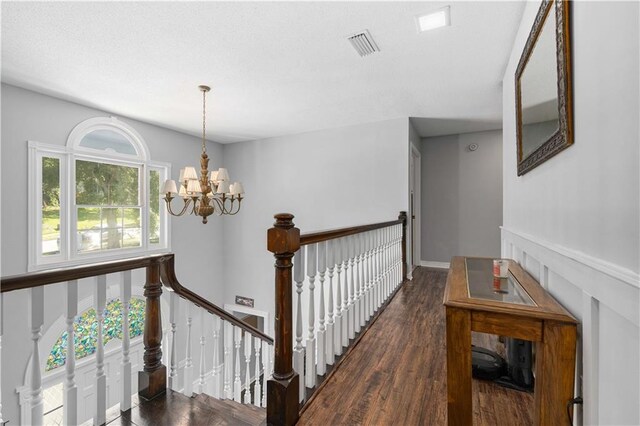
x=99 y=196
x=85 y=329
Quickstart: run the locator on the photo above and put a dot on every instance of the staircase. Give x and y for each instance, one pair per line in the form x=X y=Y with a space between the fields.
x=173 y=408
x=357 y=269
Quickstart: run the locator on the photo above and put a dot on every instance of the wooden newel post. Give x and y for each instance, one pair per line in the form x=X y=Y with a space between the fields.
x=403 y=217
x=152 y=380
x=283 y=240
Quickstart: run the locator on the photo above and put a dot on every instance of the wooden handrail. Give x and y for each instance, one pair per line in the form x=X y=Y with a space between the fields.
x=53 y=276
x=168 y=276
x=284 y=240
x=167 y=272
x=319 y=236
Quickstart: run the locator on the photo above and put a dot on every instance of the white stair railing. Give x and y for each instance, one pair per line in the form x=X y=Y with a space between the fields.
x=241 y=362
x=100 y=297
x=125 y=365
x=361 y=273
x=70 y=398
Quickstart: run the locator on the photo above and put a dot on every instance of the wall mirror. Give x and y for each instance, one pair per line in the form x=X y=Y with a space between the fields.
x=544 y=122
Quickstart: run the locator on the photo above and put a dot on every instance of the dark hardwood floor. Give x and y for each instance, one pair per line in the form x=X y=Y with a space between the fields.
x=397 y=372
x=175 y=409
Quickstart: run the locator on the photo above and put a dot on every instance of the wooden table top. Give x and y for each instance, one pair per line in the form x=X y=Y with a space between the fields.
x=546 y=307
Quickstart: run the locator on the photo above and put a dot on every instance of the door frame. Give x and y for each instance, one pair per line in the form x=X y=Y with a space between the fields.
x=415 y=204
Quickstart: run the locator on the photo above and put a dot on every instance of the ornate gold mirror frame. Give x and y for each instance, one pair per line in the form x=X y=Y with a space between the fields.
x=563 y=137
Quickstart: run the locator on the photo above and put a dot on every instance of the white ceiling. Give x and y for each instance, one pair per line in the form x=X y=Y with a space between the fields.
x=276 y=68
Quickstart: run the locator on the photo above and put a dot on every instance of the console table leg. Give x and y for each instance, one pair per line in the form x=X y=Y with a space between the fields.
x=459 y=408
x=555 y=373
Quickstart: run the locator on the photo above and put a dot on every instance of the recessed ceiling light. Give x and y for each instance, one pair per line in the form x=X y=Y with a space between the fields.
x=436 y=19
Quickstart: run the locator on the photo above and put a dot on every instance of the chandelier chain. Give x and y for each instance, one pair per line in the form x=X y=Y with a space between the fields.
x=204 y=121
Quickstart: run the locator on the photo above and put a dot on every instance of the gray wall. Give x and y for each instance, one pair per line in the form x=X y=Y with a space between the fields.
x=327 y=179
x=27 y=116
x=461 y=196
x=579 y=211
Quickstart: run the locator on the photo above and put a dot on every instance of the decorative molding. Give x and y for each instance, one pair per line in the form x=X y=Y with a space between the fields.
x=433 y=264
x=611 y=285
x=615 y=271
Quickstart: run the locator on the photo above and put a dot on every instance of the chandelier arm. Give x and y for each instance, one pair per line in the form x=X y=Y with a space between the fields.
x=194 y=211
x=238 y=209
x=170 y=210
x=219 y=204
x=224 y=203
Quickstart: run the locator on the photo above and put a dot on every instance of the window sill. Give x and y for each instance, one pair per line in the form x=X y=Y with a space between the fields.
x=94 y=258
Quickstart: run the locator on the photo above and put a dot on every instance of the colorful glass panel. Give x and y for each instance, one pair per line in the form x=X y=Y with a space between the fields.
x=85 y=329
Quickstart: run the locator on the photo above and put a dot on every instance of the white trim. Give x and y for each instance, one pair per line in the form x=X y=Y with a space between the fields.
x=231 y=308
x=416 y=158
x=587 y=286
x=433 y=264
x=615 y=271
x=67 y=155
x=108 y=123
x=609 y=285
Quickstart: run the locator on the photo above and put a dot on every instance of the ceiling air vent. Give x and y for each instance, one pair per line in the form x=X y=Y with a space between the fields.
x=363 y=43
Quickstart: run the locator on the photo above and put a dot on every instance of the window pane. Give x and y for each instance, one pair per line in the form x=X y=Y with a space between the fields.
x=109 y=141
x=132 y=218
x=111 y=238
x=132 y=237
x=101 y=184
x=154 y=207
x=50 y=206
x=111 y=217
x=88 y=241
x=88 y=218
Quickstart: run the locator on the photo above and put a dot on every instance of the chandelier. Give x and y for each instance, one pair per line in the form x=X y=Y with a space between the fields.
x=209 y=194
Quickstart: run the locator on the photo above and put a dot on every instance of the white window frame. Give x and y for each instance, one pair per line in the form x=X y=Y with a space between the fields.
x=67 y=156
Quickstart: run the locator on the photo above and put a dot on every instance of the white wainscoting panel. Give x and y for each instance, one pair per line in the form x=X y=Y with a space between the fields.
x=606 y=299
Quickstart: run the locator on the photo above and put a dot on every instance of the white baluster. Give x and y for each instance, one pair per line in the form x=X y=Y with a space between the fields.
x=390 y=259
x=257 y=391
x=338 y=320
x=202 y=382
x=351 y=299
x=174 y=314
x=216 y=385
x=399 y=253
x=247 y=360
x=125 y=366
x=237 y=384
x=363 y=281
x=299 y=350
x=385 y=263
x=320 y=340
x=344 y=331
x=37 y=320
x=378 y=269
x=228 y=362
x=372 y=275
x=365 y=274
x=70 y=397
x=312 y=270
x=266 y=355
x=330 y=354
x=188 y=365
x=357 y=293
x=101 y=379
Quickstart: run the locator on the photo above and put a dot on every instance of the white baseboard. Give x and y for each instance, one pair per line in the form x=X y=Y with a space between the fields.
x=431 y=264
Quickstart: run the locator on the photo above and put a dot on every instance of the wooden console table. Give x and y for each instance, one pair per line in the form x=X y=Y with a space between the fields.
x=521 y=309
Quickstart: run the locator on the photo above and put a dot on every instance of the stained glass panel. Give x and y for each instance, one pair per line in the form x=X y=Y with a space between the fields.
x=85 y=329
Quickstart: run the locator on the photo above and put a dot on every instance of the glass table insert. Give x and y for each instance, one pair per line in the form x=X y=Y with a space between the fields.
x=481 y=284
